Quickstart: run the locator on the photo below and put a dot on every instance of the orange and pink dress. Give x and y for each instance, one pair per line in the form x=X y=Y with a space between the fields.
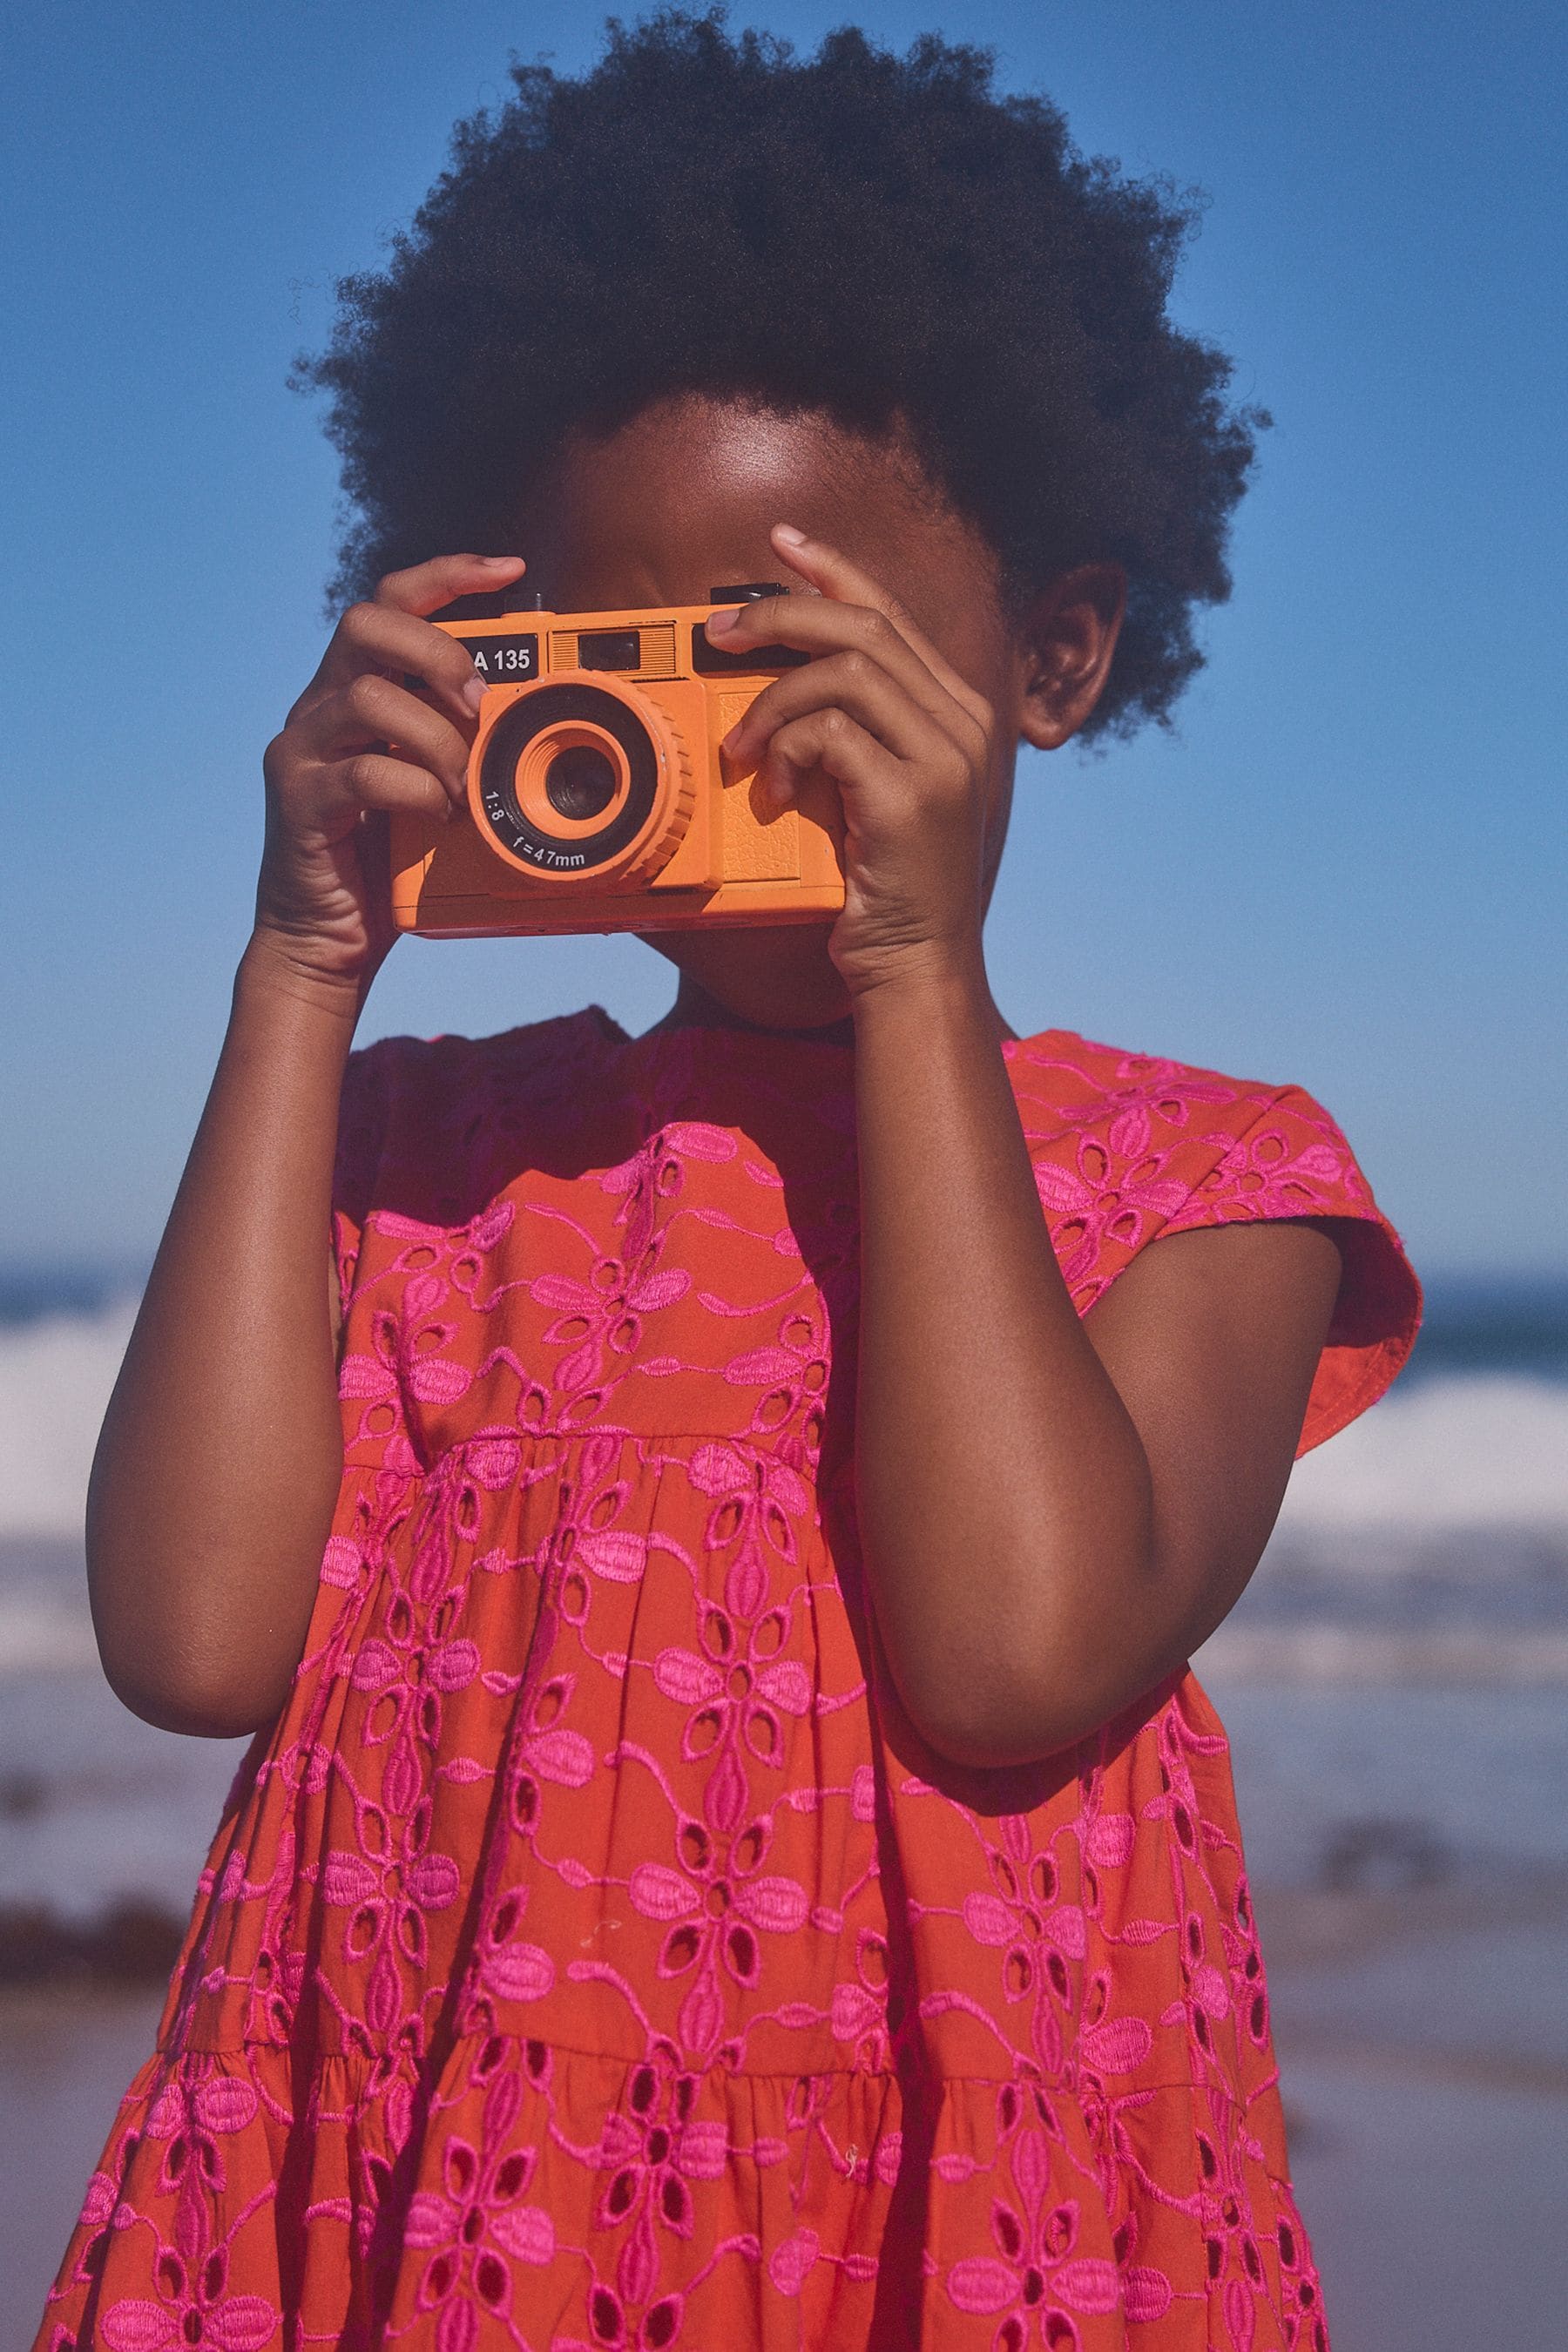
x=592 y=1955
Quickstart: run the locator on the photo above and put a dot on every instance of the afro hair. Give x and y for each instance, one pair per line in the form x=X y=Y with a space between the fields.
x=885 y=240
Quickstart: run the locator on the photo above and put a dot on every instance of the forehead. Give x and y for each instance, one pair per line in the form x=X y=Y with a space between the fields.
x=682 y=498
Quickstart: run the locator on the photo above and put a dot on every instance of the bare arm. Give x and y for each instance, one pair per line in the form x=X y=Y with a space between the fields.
x=218 y=1466
x=1054 y=1512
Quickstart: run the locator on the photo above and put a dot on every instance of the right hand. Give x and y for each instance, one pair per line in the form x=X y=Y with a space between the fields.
x=331 y=779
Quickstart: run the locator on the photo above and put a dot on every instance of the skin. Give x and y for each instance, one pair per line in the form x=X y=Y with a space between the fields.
x=1053 y=1512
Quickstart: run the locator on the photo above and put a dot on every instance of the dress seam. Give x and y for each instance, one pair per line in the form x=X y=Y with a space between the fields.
x=489 y=1439
x=572 y=2050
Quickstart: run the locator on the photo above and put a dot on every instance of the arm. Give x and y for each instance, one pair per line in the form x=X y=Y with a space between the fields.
x=1053 y=1514
x=218 y=1466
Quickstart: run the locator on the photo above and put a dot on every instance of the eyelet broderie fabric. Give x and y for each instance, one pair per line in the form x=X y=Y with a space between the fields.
x=592 y=1955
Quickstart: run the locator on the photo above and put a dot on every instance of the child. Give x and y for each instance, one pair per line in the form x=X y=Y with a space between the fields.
x=731 y=1854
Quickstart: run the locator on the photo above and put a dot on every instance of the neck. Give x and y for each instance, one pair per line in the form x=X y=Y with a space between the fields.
x=697 y=1007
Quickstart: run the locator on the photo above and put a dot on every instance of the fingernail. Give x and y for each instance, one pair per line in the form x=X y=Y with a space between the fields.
x=720 y=623
x=788 y=533
x=473 y=693
x=734 y=737
x=501 y=562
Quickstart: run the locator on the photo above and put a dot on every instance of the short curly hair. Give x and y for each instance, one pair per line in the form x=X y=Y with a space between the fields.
x=887 y=241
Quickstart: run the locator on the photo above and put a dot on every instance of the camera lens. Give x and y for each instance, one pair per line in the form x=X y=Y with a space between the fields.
x=580 y=781
x=568 y=777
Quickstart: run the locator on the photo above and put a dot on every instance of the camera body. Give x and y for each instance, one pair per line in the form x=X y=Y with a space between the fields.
x=597 y=799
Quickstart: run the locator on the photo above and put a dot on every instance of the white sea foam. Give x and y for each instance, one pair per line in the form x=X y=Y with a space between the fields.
x=45 y=1633
x=1454 y=1657
x=55 y=1380
x=1484 y=1450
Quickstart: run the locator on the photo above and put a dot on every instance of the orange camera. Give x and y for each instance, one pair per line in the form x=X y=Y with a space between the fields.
x=596 y=801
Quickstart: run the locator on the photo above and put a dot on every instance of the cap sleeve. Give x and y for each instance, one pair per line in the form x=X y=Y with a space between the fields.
x=1293 y=1161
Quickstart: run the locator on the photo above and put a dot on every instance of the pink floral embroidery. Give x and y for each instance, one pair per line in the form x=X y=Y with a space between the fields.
x=587 y=1956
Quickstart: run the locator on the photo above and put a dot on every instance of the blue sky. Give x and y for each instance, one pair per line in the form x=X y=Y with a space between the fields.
x=1346 y=868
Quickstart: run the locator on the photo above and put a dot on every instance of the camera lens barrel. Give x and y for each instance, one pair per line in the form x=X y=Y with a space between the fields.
x=593 y=758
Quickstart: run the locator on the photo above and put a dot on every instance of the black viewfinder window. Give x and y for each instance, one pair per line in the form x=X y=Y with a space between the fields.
x=711 y=661
x=610 y=649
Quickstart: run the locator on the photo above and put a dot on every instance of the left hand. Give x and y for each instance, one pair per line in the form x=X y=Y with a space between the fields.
x=909 y=744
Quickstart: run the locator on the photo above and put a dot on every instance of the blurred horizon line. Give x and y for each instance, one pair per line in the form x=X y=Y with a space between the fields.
x=1474 y=1320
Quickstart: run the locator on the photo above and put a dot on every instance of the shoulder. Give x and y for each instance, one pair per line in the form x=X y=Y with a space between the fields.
x=1178 y=1143
x=433 y=1072
x=1174 y=1142
x=1132 y=1147
x=1086 y=1084
x=432 y=1121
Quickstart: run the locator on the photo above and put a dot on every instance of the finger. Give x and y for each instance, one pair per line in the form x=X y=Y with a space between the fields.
x=831 y=573
x=856 y=683
x=376 y=781
x=372 y=712
x=820 y=625
x=829 y=739
x=377 y=637
x=425 y=587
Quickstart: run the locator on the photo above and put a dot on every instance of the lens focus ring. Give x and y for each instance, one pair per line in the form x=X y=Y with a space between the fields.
x=530 y=841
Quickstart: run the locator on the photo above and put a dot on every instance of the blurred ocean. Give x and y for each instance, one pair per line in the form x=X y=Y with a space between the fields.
x=1395 y=1685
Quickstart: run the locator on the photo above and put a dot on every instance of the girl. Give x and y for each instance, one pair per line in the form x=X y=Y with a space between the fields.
x=732 y=1854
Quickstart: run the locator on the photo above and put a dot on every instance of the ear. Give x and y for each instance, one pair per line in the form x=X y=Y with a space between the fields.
x=1065 y=646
